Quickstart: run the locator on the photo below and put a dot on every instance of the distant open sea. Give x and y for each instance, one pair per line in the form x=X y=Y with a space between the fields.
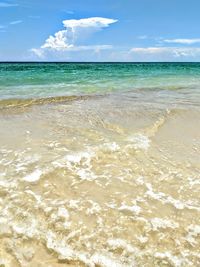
x=43 y=80
x=99 y=164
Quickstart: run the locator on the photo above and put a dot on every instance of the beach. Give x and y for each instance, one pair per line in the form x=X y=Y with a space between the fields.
x=99 y=164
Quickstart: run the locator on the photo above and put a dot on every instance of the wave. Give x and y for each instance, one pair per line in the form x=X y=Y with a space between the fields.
x=26 y=102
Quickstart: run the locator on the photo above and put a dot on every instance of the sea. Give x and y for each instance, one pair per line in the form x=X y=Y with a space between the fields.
x=99 y=164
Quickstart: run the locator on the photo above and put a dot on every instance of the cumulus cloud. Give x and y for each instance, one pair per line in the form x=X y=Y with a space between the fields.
x=4 y=4
x=183 y=41
x=75 y=30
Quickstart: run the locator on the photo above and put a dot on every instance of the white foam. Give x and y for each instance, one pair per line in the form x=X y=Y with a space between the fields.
x=142 y=239
x=24 y=160
x=33 y=177
x=140 y=180
x=112 y=147
x=105 y=261
x=95 y=208
x=7 y=184
x=140 y=141
x=135 y=210
x=173 y=260
x=193 y=232
x=76 y=158
x=73 y=159
x=4 y=262
x=28 y=230
x=85 y=174
x=120 y=243
x=60 y=247
x=74 y=204
x=193 y=181
x=2 y=174
x=158 y=223
x=37 y=197
x=5 y=228
x=166 y=199
x=79 y=163
x=63 y=213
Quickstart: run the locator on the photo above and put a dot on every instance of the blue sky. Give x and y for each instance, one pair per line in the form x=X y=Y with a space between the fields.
x=99 y=30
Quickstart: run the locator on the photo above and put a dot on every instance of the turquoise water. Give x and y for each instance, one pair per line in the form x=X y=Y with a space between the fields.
x=107 y=177
x=43 y=80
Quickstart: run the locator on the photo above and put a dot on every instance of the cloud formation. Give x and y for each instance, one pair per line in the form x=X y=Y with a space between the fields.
x=75 y=30
x=142 y=37
x=182 y=41
x=34 y=17
x=4 y=4
x=165 y=53
x=16 y=22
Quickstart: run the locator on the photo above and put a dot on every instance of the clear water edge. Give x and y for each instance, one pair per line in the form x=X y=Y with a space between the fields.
x=109 y=178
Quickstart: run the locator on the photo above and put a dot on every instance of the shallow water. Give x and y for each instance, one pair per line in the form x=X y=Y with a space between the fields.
x=101 y=179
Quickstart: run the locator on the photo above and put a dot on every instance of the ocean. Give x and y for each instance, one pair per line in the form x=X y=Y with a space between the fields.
x=99 y=164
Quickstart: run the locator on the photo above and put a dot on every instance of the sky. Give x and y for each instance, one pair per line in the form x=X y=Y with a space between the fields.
x=100 y=30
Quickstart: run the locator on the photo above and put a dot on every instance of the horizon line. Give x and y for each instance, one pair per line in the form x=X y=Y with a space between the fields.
x=100 y=62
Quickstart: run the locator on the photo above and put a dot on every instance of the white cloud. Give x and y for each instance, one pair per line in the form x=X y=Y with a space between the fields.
x=2 y=28
x=95 y=22
x=149 y=50
x=58 y=42
x=75 y=30
x=16 y=22
x=142 y=37
x=4 y=4
x=165 y=53
x=42 y=53
x=96 y=48
x=70 y=12
x=38 y=52
x=34 y=17
x=183 y=41
x=175 y=51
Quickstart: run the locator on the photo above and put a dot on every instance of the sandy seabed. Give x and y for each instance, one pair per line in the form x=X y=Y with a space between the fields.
x=103 y=181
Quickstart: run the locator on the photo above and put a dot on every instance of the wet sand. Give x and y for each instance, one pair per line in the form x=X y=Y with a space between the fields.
x=107 y=181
